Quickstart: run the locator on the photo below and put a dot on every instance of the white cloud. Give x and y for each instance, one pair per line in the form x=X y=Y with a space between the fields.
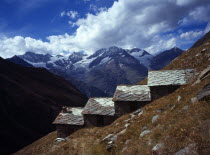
x=70 y=14
x=161 y=44
x=127 y=24
x=96 y=9
x=191 y=35
x=197 y=15
x=63 y=13
x=184 y=2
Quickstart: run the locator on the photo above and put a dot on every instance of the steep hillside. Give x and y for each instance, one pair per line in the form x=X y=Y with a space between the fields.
x=174 y=124
x=30 y=99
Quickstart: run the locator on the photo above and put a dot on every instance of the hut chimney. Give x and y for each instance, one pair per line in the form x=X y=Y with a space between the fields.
x=64 y=109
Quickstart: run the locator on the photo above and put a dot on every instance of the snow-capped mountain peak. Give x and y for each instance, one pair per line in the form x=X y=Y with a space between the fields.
x=35 y=58
x=143 y=56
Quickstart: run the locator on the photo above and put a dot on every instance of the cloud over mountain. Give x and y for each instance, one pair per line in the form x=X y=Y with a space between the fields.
x=152 y=25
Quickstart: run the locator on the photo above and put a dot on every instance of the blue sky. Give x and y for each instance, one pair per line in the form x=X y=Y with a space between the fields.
x=41 y=18
x=65 y=26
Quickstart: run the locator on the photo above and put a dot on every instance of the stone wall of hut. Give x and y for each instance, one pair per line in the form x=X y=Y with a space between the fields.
x=64 y=130
x=98 y=120
x=124 y=107
x=109 y=119
x=160 y=91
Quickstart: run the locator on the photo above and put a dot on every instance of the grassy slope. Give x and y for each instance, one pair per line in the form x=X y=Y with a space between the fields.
x=175 y=128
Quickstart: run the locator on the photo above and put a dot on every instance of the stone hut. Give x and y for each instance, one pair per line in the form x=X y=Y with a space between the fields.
x=99 y=112
x=69 y=120
x=129 y=98
x=164 y=82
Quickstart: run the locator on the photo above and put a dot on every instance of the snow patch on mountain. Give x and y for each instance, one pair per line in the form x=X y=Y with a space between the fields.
x=143 y=56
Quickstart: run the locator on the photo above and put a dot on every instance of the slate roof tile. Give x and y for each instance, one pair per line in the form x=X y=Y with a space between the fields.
x=170 y=77
x=99 y=106
x=73 y=116
x=132 y=93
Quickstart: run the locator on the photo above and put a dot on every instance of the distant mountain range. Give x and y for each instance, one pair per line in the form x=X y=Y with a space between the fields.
x=164 y=58
x=98 y=75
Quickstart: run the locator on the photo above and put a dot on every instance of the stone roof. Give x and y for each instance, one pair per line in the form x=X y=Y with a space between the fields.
x=99 y=106
x=132 y=93
x=73 y=116
x=170 y=77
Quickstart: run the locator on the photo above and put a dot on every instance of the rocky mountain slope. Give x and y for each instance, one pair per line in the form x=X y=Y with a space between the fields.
x=17 y=60
x=105 y=67
x=163 y=59
x=98 y=75
x=174 y=124
x=30 y=99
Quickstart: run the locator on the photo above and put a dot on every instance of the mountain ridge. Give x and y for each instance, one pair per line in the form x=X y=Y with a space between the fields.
x=110 y=66
x=30 y=99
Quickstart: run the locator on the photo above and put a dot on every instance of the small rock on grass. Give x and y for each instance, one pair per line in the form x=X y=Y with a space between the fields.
x=194 y=99
x=154 y=119
x=189 y=150
x=145 y=133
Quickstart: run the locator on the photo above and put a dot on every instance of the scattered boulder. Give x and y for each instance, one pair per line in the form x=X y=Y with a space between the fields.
x=203 y=75
x=203 y=50
x=189 y=150
x=145 y=133
x=185 y=108
x=121 y=132
x=140 y=113
x=110 y=146
x=107 y=137
x=124 y=149
x=127 y=120
x=194 y=99
x=114 y=138
x=137 y=111
x=159 y=110
x=204 y=94
x=144 y=128
x=117 y=124
x=163 y=109
x=127 y=125
x=127 y=142
x=132 y=116
x=154 y=119
x=179 y=99
x=157 y=149
x=59 y=140
x=173 y=107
